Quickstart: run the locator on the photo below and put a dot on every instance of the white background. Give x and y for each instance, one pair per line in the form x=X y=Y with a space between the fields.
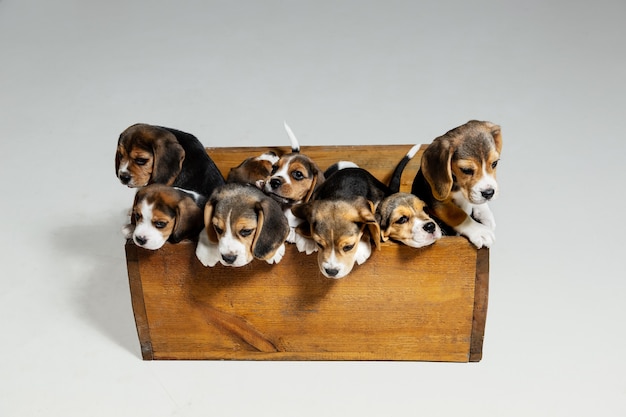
x=75 y=73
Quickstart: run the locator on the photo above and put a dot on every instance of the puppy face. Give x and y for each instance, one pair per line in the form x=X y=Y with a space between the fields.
x=245 y=223
x=402 y=218
x=161 y=213
x=293 y=179
x=464 y=160
x=254 y=170
x=338 y=227
x=148 y=154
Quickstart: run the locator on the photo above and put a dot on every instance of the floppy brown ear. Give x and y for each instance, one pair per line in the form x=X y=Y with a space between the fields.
x=168 y=158
x=208 y=222
x=272 y=228
x=318 y=179
x=303 y=212
x=117 y=160
x=189 y=220
x=367 y=217
x=496 y=132
x=436 y=167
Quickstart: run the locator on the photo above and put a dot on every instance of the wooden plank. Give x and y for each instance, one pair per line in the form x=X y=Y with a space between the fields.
x=403 y=304
x=138 y=303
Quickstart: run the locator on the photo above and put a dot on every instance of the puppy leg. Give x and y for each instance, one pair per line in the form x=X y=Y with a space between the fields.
x=482 y=213
x=363 y=250
x=302 y=243
x=207 y=253
x=293 y=223
x=479 y=234
x=280 y=252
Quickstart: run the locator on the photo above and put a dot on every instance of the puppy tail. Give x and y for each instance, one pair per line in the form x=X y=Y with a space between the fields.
x=295 y=145
x=394 y=182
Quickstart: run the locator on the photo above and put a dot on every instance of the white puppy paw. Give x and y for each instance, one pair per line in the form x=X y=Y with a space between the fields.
x=363 y=251
x=207 y=253
x=128 y=230
x=483 y=214
x=304 y=244
x=280 y=252
x=477 y=233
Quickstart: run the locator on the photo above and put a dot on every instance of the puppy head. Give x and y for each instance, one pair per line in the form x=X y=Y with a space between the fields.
x=464 y=160
x=161 y=213
x=254 y=170
x=402 y=218
x=337 y=227
x=148 y=154
x=245 y=223
x=293 y=179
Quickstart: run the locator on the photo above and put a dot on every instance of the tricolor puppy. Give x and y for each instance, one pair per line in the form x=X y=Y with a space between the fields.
x=340 y=220
x=294 y=178
x=255 y=170
x=457 y=178
x=149 y=154
x=402 y=218
x=164 y=214
x=241 y=224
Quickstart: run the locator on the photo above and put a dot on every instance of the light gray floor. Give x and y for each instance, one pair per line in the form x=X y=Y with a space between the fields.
x=74 y=74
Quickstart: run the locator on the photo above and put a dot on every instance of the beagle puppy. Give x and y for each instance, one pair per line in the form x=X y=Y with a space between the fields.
x=254 y=170
x=241 y=224
x=457 y=178
x=402 y=218
x=164 y=214
x=294 y=176
x=149 y=154
x=293 y=179
x=340 y=219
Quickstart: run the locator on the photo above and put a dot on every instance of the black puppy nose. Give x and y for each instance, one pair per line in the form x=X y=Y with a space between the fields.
x=140 y=240
x=331 y=272
x=229 y=259
x=430 y=227
x=125 y=177
x=275 y=183
x=487 y=194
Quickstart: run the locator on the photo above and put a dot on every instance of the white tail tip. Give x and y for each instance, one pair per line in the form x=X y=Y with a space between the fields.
x=411 y=153
x=295 y=145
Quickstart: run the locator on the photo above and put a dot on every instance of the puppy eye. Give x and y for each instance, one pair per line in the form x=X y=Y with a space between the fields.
x=245 y=232
x=297 y=175
x=402 y=220
x=218 y=230
x=160 y=224
x=137 y=216
x=495 y=164
x=274 y=169
x=467 y=171
x=319 y=245
x=348 y=248
x=141 y=161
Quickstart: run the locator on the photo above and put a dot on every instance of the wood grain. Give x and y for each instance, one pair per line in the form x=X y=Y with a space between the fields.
x=424 y=304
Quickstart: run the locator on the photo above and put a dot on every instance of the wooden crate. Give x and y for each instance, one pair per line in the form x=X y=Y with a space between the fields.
x=425 y=304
